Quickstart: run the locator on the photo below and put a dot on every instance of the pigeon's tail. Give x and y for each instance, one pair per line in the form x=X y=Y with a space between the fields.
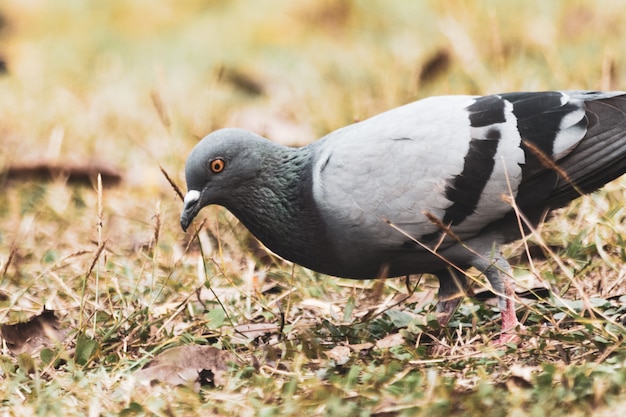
x=600 y=156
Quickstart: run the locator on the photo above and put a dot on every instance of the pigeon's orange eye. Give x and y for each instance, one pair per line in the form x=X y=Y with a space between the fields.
x=217 y=165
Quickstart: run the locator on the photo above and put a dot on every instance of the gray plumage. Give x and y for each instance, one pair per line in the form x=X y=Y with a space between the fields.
x=373 y=199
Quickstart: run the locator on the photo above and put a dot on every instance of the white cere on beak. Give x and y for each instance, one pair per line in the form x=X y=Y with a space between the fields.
x=191 y=197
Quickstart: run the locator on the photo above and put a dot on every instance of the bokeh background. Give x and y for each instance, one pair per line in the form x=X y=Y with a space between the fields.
x=294 y=70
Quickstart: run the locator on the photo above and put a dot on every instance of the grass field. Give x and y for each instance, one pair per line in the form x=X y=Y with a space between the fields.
x=127 y=87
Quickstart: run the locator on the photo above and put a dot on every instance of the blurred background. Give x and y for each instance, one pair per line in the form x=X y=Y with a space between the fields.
x=137 y=82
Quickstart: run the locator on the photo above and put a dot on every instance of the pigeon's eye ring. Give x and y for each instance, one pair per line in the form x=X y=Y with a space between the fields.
x=217 y=165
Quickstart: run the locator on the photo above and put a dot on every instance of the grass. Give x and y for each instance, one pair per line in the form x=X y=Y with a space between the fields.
x=134 y=84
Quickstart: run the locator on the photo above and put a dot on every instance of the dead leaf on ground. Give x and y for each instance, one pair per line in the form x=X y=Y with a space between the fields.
x=339 y=354
x=39 y=332
x=189 y=365
x=359 y=347
x=390 y=341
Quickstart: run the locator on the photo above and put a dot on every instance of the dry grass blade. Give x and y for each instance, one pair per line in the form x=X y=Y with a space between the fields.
x=5 y=267
x=441 y=225
x=157 y=225
x=547 y=162
x=94 y=262
x=96 y=258
x=523 y=221
x=159 y=106
x=443 y=258
x=175 y=187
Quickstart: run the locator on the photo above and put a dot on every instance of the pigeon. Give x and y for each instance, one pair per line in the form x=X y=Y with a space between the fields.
x=435 y=186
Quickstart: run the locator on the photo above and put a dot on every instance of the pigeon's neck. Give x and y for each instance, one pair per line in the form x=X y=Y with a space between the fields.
x=279 y=209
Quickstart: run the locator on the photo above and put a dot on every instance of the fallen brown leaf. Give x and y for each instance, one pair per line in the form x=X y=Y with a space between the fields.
x=188 y=365
x=339 y=354
x=390 y=341
x=361 y=346
x=40 y=331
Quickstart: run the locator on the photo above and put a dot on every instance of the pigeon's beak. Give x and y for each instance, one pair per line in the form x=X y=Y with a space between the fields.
x=191 y=208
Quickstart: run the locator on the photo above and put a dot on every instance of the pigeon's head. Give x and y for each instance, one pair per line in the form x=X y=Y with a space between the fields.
x=219 y=167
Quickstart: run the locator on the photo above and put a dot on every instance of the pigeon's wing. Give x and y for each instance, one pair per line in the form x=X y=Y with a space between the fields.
x=581 y=166
x=573 y=143
x=451 y=158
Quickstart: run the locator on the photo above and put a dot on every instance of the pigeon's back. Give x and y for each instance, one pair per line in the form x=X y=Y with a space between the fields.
x=458 y=162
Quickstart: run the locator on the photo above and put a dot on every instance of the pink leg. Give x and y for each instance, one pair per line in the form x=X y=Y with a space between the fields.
x=509 y=318
x=452 y=289
x=498 y=272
